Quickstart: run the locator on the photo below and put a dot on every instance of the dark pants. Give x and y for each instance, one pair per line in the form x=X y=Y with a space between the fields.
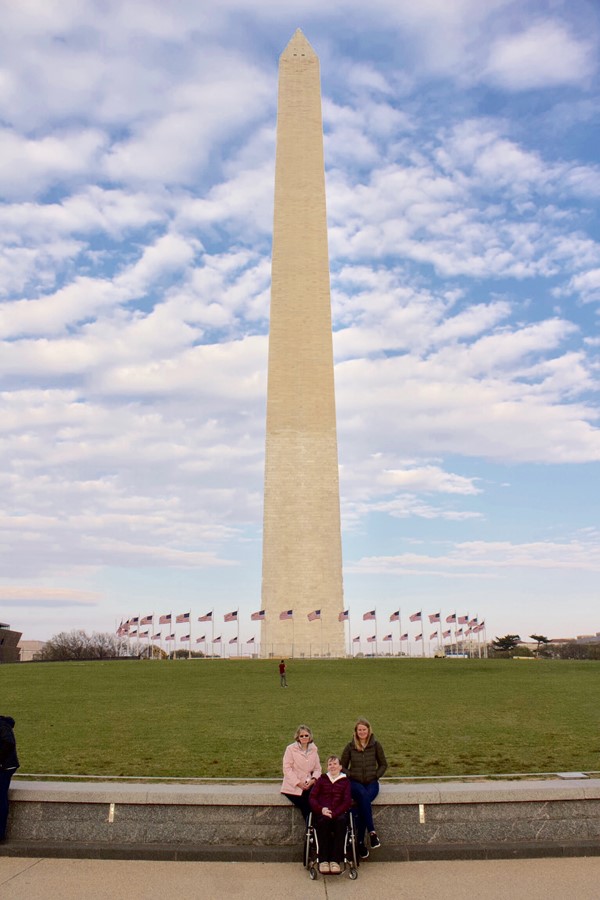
x=5 y=777
x=301 y=801
x=331 y=834
x=363 y=795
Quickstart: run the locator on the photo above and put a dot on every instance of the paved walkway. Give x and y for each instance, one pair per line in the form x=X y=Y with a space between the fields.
x=82 y=879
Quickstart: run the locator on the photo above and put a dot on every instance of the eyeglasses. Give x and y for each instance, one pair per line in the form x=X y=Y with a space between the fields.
x=304 y=735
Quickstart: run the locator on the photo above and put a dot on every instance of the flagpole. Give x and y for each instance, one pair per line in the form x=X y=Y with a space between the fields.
x=350 y=648
x=400 y=628
x=263 y=634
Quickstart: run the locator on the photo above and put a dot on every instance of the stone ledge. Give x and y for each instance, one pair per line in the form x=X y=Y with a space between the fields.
x=235 y=853
x=254 y=822
x=428 y=793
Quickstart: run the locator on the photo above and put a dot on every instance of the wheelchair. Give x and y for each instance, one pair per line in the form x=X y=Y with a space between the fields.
x=351 y=859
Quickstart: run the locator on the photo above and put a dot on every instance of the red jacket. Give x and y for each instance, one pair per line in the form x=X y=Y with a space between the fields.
x=335 y=795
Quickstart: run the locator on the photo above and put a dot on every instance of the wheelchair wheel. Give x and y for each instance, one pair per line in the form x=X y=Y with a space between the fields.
x=352 y=874
x=312 y=871
x=307 y=846
x=351 y=849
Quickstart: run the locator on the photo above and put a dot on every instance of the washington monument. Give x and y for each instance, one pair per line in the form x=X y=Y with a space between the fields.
x=302 y=551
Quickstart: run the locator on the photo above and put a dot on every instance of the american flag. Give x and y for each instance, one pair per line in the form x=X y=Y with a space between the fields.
x=231 y=617
x=147 y=620
x=315 y=614
x=165 y=620
x=462 y=620
x=206 y=618
x=459 y=631
x=388 y=637
x=344 y=615
x=416 y=617
x=355 y=640
x=369 y=615
x=182 y=617
x=434 y=617
x=258 y=616
x=143 y=633
x=156 y=637
x=133 y=634
x=450 y=619
x=432 y=635
x=170 y=637
x=217 y=640
x=404 y=637
x=233 y=640
x=473 y=621
x=371 y=639
x=418 y=637
x=134 y=621
x=200 y=639
x=446 y=633
x=395 y=617
x=185 y=637
x=250 y=640
x=286 y=614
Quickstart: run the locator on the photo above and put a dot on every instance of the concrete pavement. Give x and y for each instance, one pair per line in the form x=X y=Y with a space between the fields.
x=83 y=879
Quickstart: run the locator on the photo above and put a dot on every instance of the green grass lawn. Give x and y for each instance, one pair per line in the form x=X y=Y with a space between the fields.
x=230 y=718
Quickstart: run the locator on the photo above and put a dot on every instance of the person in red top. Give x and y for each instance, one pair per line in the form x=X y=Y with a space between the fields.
x=282 y=677
x=330 y=800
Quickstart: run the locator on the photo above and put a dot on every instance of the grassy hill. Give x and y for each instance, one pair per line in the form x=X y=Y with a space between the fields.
x=230 y=718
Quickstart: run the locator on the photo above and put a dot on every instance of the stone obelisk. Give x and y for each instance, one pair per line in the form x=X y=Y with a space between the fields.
x=302 y=553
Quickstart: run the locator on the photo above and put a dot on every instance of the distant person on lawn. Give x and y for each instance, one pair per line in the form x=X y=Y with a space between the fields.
x=9 y=764
x=364 y=761
x=301 y=768
x=282 y=676
x=330 y=800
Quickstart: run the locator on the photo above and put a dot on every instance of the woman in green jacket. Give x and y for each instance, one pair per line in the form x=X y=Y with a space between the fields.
x=364 y=761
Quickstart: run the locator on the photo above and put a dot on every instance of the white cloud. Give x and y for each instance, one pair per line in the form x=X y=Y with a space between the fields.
x=491 y=558
x=32 y=165
x=586 y=284
x=47 y=597
x=429 y=478
x=544 y=55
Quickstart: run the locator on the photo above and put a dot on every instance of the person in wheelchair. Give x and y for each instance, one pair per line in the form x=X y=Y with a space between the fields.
x=330 y=801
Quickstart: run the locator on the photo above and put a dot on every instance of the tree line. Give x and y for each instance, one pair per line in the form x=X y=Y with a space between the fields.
x=78 y=645
x=510 y=645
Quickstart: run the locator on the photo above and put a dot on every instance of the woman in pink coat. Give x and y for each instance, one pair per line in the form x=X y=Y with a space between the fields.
x=301 y=768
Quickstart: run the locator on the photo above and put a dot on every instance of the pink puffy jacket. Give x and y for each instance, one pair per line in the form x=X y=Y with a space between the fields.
x=299 y=767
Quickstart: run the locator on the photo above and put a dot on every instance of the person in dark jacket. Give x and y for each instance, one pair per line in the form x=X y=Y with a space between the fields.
x=330 y=800
x=364 y=761
x=9 y=764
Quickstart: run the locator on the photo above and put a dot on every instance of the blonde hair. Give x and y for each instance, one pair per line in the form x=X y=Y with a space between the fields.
x=357 y=742
x=303 y=728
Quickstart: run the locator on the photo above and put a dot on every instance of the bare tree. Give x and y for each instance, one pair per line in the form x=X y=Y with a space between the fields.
x=77 y=644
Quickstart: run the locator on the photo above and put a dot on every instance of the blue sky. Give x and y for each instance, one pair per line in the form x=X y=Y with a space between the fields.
x=136 y=174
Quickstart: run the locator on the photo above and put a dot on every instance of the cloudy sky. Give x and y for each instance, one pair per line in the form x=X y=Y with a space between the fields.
x=136 y=172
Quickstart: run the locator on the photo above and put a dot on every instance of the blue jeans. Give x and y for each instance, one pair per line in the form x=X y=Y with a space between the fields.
x=5 y=777
x=363 y=795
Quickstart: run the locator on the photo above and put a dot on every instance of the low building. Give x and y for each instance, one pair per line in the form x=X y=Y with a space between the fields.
x=9 y=644
x=29 y=649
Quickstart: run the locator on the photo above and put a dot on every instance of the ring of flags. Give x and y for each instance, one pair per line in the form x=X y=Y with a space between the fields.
x=469 y=626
